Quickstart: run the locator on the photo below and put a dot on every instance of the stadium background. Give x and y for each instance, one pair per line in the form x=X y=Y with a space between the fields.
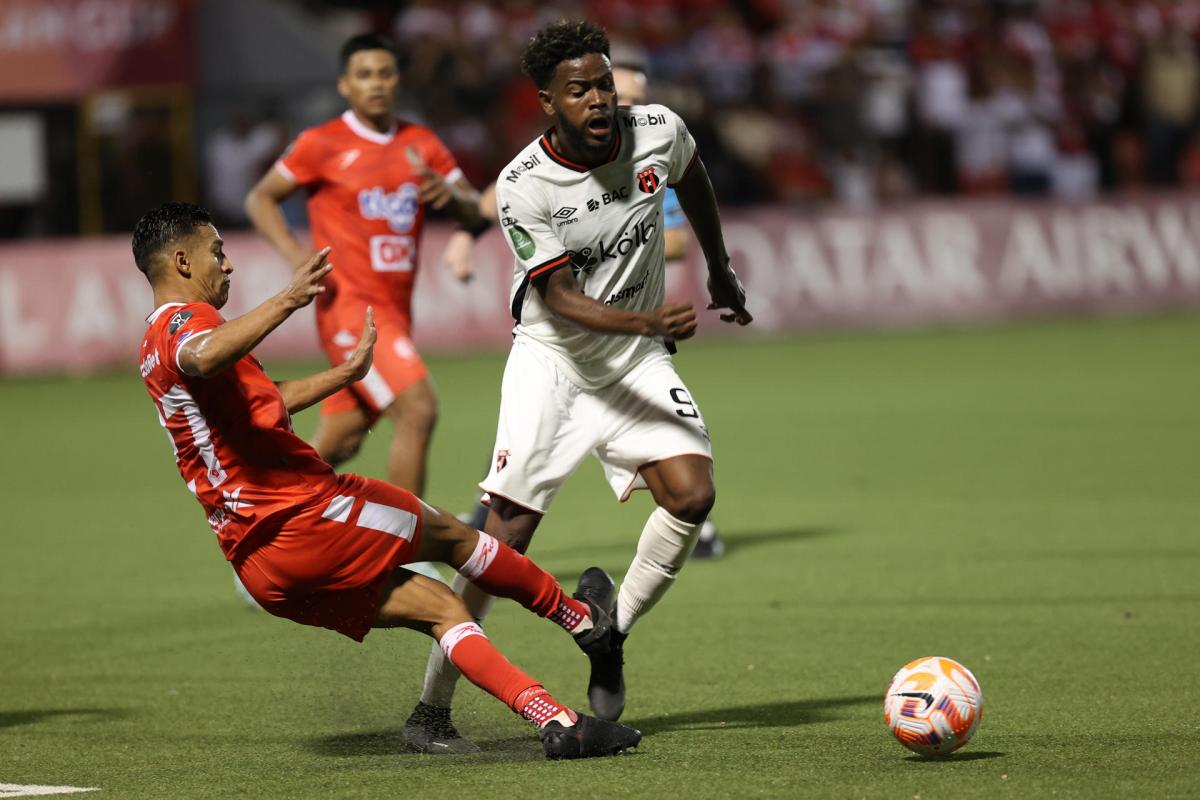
x=1008 y=480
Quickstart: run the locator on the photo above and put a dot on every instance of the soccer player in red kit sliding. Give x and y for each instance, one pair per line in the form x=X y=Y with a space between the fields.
x=369 y=177
x=310 y=545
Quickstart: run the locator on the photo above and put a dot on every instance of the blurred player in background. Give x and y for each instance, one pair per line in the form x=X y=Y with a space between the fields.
x=590 y=369
x=309 y=545
x=629 y=79
x=369 y=178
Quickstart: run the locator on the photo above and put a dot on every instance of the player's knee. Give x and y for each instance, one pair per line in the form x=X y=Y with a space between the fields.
x=692 y=503
x=454 y=611
x=417 y=411
x=342 y=449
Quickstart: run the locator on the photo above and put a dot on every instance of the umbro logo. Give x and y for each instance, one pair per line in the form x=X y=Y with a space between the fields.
x=566 y=212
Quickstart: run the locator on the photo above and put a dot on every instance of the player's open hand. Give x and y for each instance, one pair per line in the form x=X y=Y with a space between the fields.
x=457 y=256
x=434 y=190
x=726 y=291
x=306 y=280
x=359 y=362
x=676 y=321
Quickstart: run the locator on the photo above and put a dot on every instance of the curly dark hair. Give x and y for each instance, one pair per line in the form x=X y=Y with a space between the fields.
x=558 y=42
x=160 y=226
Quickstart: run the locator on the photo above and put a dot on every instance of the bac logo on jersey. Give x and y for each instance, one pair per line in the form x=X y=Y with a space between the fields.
x=620 y=193
x=647 y=180
x=178 y=320
x=399 y=208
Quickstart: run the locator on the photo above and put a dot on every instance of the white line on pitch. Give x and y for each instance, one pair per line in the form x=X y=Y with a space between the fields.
x=32 y=790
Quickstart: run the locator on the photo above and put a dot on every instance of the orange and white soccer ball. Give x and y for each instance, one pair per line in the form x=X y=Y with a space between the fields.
x=933 y=705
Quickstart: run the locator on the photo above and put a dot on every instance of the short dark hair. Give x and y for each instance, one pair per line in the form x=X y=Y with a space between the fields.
x=161 y=226
x=365 y=41
x=558 y=42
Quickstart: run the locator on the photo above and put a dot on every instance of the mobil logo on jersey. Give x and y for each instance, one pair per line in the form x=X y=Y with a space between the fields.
x=399 y=208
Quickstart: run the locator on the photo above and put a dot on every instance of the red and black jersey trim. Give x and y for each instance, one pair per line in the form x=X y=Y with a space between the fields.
x=563 y=161
x=688 y=168
x=540 y=271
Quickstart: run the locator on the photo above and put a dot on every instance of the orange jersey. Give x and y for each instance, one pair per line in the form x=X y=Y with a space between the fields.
x=363 y=202
x=231 y=434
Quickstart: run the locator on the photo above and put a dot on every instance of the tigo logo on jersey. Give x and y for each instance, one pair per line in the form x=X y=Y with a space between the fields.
x=647 y=180
x=399 y=208
x=521 y=240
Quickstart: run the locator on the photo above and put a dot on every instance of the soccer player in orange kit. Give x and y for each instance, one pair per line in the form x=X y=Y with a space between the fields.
x=369 y=177
x=310 y=545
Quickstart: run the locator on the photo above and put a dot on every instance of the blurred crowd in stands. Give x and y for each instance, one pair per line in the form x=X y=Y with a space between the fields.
x=852 y=102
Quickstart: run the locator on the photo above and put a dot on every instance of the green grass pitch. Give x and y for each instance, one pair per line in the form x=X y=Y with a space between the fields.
x=1023 y=499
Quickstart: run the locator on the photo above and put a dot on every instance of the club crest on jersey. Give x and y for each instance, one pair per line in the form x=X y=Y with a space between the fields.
x=178 y=320
x=399 y=208
x=647 y=180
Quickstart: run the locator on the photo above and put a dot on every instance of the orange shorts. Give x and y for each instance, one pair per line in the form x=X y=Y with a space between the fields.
x=396 y=365
x=328 y=565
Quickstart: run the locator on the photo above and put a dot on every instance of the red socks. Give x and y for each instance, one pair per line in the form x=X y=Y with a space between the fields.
x=469 y=649
x=501 y=571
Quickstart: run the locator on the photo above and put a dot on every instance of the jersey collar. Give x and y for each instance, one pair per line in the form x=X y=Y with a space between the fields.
x=156 y=312
x=353 y=123
x=563 y=161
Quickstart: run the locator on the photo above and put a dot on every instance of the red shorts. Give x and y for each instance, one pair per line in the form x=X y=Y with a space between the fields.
x=396 y=365
x=328 y=565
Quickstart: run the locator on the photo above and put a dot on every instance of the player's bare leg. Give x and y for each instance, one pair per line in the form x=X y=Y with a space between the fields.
x=339 y=436
x=684 y=492
x=415 y=601
x=413 y=414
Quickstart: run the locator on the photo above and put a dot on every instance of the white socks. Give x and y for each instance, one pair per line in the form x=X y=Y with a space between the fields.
x=440 y=674
x=664 y=547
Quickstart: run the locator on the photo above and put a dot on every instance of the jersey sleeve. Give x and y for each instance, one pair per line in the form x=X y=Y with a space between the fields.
x=683 y=151
x=188 y=322
x=301 y=162
x=438 y=157
x=529 y=234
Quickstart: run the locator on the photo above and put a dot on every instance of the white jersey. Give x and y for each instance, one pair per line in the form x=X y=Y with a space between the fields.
x=606 y=224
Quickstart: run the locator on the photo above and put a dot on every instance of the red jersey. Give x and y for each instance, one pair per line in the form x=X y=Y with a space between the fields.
x=231 y=434
x=363 y=202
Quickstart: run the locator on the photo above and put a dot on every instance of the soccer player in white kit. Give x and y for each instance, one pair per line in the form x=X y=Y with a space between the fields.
x=590 y=369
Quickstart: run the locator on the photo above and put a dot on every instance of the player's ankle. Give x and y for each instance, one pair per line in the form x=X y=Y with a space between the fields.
x=537 y=706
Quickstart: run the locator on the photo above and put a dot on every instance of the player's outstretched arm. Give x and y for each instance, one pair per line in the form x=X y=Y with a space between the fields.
x=699 y=203
x=262 y=207
x=460 y=249
x=212 y=353
x=562 y=295
x=304 y=392
x=458 y=198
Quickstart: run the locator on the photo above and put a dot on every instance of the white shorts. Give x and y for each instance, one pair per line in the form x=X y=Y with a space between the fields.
x=548 y=425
